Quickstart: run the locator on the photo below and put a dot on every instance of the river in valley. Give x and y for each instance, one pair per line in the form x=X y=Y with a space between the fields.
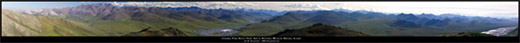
x=500 y=31
x=220 y=31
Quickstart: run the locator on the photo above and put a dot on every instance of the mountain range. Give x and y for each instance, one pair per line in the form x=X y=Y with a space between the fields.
x=109 y=20
x=381 y=24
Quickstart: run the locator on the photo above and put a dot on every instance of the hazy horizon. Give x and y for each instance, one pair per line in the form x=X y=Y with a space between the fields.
x=483 y=9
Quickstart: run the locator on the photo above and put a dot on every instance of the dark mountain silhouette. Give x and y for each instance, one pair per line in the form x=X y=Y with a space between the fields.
x=320 y=30
x=145 y=29
x=163 y=32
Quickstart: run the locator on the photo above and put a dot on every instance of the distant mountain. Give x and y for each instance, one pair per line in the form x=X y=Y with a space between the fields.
x=272 y=12
x=342 y=10
x=329 y=17
x=380 y=24
x=163 y=32
x=111 y=19
x=467 y=34
x=110 y=12
x=450 y=15
x=402 y=23
x=249 y=15
x=320 y=30
x=420 y=20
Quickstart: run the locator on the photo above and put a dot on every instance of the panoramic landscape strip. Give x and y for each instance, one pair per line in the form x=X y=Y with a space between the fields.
x=439 y=19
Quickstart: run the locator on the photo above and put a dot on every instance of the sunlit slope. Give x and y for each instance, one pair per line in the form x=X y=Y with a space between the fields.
x=63 y=27
x=17 y=24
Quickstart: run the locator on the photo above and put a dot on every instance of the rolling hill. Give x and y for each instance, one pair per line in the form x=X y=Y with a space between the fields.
x=320 y=30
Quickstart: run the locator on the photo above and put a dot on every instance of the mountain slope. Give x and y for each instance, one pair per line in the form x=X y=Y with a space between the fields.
x=17 y=24
x=119 y=20
x=260 y=29
x=320 y=30
x=513 y=33
x=467 y=34
x=44 y=26
x=163 y=32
